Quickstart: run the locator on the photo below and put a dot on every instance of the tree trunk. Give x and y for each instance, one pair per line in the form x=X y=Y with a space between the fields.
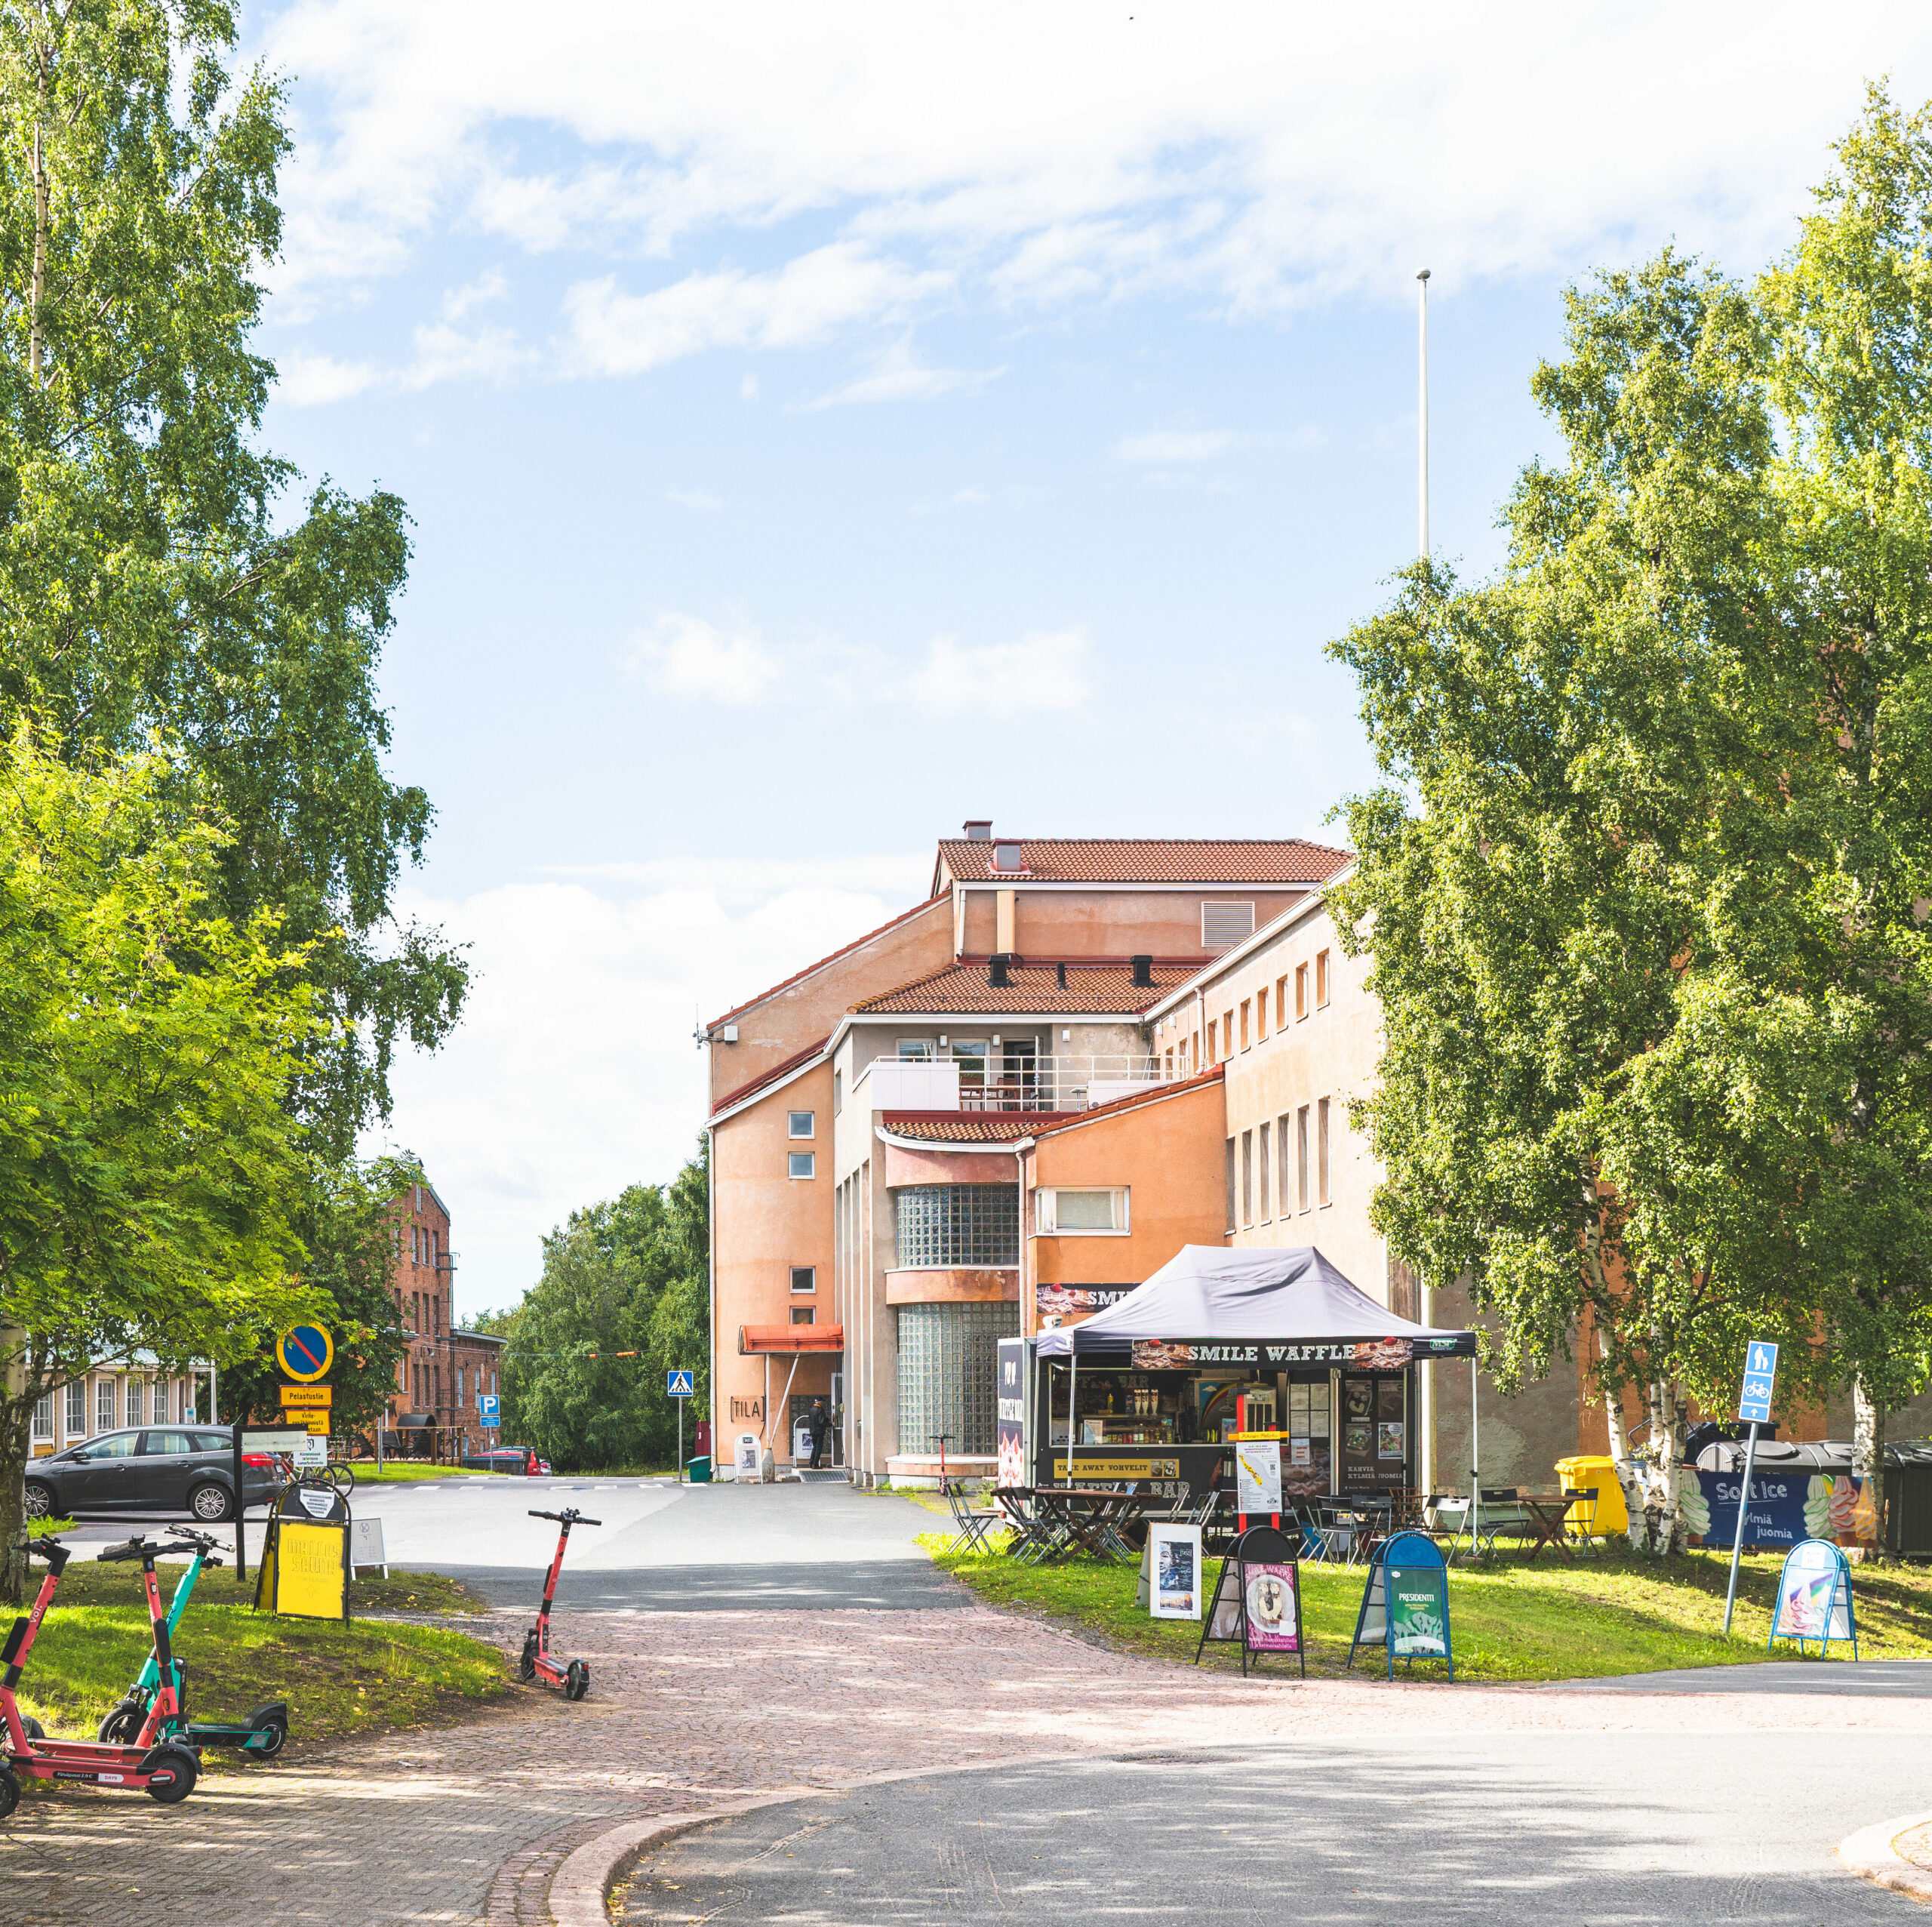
x=15 y=1420
x=1868 y=1463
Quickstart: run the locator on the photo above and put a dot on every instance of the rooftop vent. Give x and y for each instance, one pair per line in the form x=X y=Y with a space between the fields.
x=1143 y=973
x=978 y=831
x=997 y=976
x=1060 y=975
x=1009 y=857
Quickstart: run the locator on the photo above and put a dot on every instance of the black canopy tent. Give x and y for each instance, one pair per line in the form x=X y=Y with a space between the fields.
x=1269 y=1308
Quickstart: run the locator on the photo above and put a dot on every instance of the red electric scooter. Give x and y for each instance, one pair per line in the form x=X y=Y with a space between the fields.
x=163 y=1767
x=536 y=1662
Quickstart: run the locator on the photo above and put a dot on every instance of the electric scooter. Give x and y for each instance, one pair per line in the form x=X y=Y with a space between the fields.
x=536 y=1662
x=155 y=1762
x=267 y=1726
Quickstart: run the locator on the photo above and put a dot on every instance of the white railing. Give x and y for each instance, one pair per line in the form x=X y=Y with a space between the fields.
x=1067 y=1083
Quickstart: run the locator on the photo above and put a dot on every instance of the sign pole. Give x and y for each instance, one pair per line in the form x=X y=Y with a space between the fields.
x=241 y=1494
x=680 y=1404
x=1737 y=1543
x=1754 y=1408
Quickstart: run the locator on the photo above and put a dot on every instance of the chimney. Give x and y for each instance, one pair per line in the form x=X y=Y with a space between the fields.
x=979 y=830
x=1143 y=973
x=1060 y=975
x=997 y=978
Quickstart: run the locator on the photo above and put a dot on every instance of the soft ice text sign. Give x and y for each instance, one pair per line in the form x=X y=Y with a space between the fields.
x=1760 y=1372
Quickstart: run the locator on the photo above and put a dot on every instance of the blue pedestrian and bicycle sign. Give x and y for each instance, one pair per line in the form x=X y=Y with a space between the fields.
x=1761 y=1372
x=679 y=1385
x=486 y=1407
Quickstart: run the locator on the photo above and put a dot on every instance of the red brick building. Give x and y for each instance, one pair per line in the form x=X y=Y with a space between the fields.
x=446 y=1369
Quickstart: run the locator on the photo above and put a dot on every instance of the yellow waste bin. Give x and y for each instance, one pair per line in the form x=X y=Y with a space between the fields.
x=1609 y=1515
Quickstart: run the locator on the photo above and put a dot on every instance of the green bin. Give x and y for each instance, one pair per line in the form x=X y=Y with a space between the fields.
x=698 y=1470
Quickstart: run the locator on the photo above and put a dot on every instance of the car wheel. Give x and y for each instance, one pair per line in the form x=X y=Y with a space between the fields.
x=211 y=1503
x=177 y=1764
x=40 y=1500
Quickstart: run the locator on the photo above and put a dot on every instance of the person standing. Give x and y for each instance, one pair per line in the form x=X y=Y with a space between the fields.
x=820 y=1423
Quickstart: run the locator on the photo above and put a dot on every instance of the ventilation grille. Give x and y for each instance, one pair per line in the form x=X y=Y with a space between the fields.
x=1223 y=926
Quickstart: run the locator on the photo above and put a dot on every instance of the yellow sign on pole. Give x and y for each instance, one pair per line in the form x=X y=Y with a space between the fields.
x=306 y=1395
x=316 y=1423
x=306 y=1353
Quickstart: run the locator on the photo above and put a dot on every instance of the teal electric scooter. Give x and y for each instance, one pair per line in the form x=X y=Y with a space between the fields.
x=267 y=1726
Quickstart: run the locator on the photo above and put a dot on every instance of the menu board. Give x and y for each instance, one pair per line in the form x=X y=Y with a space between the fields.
x=1304 y=1458
x=1363 y=1467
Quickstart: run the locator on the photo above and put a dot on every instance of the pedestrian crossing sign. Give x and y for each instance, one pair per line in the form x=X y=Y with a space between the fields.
x=678 y=1385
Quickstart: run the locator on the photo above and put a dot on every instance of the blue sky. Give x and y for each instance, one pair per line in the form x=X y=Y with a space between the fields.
x=823 y=425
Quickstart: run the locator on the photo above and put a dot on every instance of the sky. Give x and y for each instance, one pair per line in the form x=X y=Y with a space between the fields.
x=822 y=425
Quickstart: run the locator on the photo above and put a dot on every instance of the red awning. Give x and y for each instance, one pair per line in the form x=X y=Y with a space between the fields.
x=784 y=1339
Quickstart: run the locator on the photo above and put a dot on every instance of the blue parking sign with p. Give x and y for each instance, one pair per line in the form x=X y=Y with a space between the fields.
x=486 y=1407
x=1761 y=1372
x=678 y=1385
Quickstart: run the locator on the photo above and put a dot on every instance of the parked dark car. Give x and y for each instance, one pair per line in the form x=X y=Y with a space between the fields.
x=182 y=1469
x=519 y=1459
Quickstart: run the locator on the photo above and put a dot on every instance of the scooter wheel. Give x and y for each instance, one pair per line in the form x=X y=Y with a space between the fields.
x=179 y=1763
x=31 y=1727
x=10 y=1791
x=273 y=1736
x=576 y=1680
x=526 y=1666
x=121 y=1727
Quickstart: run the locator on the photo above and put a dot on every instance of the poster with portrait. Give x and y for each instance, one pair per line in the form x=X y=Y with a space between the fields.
x=1174 y=1555
x=1274 y=1608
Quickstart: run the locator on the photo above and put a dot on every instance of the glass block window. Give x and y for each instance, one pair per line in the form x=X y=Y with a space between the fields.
x=949 y=1365
x=957 y=1224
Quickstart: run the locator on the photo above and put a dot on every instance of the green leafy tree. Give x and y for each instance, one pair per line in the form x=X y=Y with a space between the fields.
x=346 y=1221
x=150 y=1175
x=629 y=1276
x=1644 y=892
x=153 y=574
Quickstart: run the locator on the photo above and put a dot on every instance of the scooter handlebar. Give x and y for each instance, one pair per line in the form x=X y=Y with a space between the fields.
x=571 y=1517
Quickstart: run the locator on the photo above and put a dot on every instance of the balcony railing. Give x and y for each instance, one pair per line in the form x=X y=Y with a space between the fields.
x=1070 y=1083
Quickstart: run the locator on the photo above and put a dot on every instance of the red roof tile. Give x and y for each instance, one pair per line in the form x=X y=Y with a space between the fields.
x=785 y=983
x=1147 y=859
x=1091 y=990
x=971 y=1128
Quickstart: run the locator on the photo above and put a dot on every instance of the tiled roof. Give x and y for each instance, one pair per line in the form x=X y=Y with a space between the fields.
x=785 y=983
x=1146 y=860
x=1091 y=990
x=982 y=1128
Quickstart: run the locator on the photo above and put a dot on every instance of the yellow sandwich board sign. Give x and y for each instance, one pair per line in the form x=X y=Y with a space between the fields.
x=304 y=1571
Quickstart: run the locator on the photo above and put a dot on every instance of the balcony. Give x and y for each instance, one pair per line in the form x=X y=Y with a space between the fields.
x=1070 y=1083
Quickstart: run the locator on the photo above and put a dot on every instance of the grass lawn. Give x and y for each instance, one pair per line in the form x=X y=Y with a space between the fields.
x=395 y=1470
x=367 y=1676
x=1509 y=1620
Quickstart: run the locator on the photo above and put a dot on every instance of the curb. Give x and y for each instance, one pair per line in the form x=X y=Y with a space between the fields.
x=1869 y=1854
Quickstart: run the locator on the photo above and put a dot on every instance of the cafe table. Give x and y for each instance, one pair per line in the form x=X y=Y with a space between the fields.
x=1090 y=1517
x=1545 y=1515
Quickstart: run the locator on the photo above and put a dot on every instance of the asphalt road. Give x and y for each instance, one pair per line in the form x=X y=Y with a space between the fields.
x=660 y=1548
x=1607 y=1829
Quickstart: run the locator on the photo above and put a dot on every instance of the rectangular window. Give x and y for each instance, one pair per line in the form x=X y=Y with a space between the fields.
x=838 y=1092
x=1248 y=1177
x=1301 y=992
x=104 y=1405
x=1231 y=1184
x=1210 y=1058
x=1261 y=1016
x=1321 y=1152
x=458 y=1385
x=1321 y=978
x=1283 y=1138
x=1301 y=1158
x=970 y=1055
x=915 y=1049
x=804 y=1164
x=798 y=1124
x=1261 y=1168
x=803 y=1314
x=77 y=1409
x=1064 y=1210
x=43 y=1418
x=136 y=1401
x=1280 y=1003
x=804 y=1278
x=1223 y=926
x=937 y=1226
x=1244 y=1023
x=1228 y=1034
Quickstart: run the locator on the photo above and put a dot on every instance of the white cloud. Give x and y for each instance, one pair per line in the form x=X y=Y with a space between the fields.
x=1259 y=155
x=899 y=376
x=517 y=1122
x=312 y=381
x=748 y=388
x=686 y=656
x=1168 y=447
x=809 y=298
x=692 y=498
x=1042 y=671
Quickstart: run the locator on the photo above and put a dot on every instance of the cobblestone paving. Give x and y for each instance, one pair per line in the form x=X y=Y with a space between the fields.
x=466 y=1826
